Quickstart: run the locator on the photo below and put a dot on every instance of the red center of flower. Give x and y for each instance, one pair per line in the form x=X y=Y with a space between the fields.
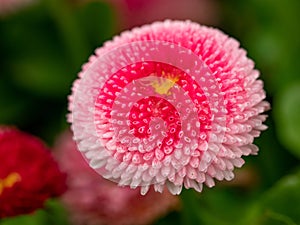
x=9 y=181
x=147 y=110
x=144 y=109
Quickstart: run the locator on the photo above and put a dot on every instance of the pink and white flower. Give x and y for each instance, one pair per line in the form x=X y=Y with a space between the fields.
x=169 y=104
x=92 y=200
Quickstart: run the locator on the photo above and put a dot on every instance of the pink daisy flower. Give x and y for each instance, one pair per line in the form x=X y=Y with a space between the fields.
x=92 y=200
x=169 y=104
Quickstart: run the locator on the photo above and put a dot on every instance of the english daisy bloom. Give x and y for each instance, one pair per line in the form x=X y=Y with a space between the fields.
x=28 y=173
x=93 y=200
x=169 y=104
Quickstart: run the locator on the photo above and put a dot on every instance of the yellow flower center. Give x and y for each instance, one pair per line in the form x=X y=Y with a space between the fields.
x=9 y=181
x=163 y=86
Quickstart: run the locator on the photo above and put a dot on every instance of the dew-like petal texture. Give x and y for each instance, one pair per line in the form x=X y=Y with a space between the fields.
x=169 y=104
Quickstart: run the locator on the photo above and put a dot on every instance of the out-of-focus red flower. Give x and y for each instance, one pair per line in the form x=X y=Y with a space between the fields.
x=137 y=12
x=131 y=13
x=92 y=200
x=28 y=173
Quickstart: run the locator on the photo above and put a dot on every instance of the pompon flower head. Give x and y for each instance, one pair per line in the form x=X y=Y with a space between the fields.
x=172 y=103
x=28 y=173
x=92 y=200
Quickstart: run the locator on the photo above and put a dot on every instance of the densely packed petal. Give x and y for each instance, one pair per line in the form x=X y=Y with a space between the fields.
x=28 y=173
x=92 y=200
x=169 y=104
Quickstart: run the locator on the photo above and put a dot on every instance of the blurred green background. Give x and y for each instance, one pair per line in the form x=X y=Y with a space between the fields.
x=44 y=44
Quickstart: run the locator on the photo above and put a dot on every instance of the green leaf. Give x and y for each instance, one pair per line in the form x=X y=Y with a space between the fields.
x=217 y=206
x=36 y=218
x=53 y=214
x=279 y=205
x=287 y=111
